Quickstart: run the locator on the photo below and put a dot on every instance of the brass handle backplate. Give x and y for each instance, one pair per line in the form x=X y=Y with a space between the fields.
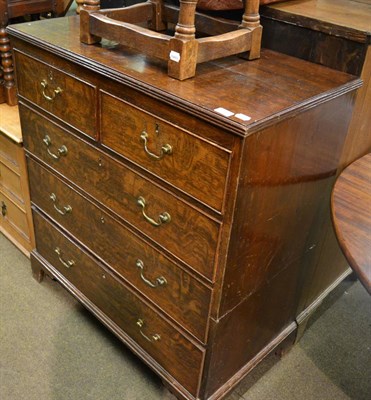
x=68 y=263
x=166 y=149
x=153 y=338
x=66 y=209
x=55 y=92
x=162 y=218
x=160 y=281
x=62 y=151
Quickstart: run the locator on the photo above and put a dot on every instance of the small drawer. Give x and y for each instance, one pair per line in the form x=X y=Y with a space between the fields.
x=10 y=183
x=160 y=340
x=57 y=92
x=190 y=163
x=9 y=153
x=179 y=295
x=13 y=217
x=176 y=226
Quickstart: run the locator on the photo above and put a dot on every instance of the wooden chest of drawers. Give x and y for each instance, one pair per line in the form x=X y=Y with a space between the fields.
x=15 y=217
x=185 y=230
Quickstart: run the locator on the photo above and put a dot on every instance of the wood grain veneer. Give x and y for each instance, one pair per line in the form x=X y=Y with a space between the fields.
x=19 y=8
x=243 y=254
x=183 y=297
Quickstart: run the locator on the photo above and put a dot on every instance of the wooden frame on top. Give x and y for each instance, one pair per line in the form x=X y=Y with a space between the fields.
x=139 y=26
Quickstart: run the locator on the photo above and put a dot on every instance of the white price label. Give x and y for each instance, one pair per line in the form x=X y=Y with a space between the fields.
x=174 y=56
x=224 y=112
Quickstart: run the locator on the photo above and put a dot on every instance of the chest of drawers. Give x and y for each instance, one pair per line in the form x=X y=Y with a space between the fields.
x=185 y=231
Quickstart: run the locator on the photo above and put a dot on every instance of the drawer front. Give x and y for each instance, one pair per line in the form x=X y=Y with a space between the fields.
x=193 y=165
x=159 y=339
x=182 y=230
x=57 y=92
x=13 y=216
x=10 y=183
x=9 y=153
x=178 y=294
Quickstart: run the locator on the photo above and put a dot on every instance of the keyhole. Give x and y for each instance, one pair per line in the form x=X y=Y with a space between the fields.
x=3 y=209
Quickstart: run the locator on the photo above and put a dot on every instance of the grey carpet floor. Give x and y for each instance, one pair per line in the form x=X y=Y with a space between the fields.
x=51 y=348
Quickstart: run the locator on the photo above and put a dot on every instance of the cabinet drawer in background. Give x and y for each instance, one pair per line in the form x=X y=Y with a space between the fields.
x=13 y=216
x=10 y=182
x=182 y=230
x=190 y=163
x=9 y=153
x=177 y=293
x=157 y=337
x=72 y=100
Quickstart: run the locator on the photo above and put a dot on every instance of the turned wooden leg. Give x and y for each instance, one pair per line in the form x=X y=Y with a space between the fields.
x=10 y=92
x=2 y=88
x=183 y=46
x=157 y=22
x=251 y=20
x=91 y=3
x=88 y=7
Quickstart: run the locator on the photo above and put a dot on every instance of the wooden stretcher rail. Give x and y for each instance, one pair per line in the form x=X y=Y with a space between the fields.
x=139 y=27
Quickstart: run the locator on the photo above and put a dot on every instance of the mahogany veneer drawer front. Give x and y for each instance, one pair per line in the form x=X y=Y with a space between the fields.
x=184 y=215
x=171 y=153
x=178 y=294
x=55 y=91
x=156 y=212
x=145 y=326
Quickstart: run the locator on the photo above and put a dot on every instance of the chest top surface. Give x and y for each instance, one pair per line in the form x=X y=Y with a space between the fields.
x=265 y=90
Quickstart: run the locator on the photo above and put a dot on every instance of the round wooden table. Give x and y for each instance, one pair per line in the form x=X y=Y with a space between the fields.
x=351 y=212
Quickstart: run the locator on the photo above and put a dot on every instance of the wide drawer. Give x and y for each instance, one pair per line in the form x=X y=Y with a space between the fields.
x=66 y=97
x=173 y=351
x=178 y=294
x=184 y=231
x=190 y=163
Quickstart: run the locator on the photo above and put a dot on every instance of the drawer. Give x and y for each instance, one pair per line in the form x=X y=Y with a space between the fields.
x=165 y=344
x=10 y=183
x=179 y=295
x=184 y=231
x=188 y=162
x=57 y=92
x=9 y=153
x=14 y=217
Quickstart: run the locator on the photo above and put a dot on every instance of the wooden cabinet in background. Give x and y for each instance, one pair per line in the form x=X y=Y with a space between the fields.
x=183 y=215
x=334 y=33
x=15 y=217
